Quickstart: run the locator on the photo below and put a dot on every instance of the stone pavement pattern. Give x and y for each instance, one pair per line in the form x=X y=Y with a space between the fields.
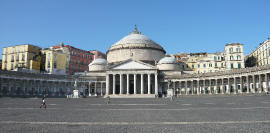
x=188 y=114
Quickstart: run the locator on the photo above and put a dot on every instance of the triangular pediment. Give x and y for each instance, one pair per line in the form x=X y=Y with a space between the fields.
x=131 y=64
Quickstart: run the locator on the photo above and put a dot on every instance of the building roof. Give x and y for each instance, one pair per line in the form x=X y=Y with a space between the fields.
x=99 y=61
x=136 y=39
x=167 y=60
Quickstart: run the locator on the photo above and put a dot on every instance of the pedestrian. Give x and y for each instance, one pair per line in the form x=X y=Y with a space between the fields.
x=108 y=99
x=43 y=104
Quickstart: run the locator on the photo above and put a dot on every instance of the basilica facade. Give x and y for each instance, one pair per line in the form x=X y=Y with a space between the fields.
x=136 y=66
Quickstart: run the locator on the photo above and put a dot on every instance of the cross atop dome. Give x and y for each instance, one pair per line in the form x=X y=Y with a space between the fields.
x=135 y=31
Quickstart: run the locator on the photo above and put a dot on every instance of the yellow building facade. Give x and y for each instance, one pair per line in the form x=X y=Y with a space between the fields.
x=24 y=57
x=55 y=61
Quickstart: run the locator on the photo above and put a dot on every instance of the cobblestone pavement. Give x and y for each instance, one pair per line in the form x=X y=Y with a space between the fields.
x=187 y=114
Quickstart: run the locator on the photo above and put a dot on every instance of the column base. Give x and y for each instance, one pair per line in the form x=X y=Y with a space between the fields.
x=133 y=96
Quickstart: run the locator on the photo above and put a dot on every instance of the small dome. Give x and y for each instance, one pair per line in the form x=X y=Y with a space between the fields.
x=99 y=61
x=167 y=60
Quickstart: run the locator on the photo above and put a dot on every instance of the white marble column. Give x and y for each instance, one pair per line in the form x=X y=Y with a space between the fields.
x=142 y=86
x=156 y=84
x=215 y=87
x=266 y=83
x=210 y=87
x=235 y=85
x=248 y=85
x=198 y=86
x=254 y=83
x=149 y=84
x=107 y=84
x=89 y=89
x=113 y=84
x=241 y=84
x=101 y=89
x=127 y=84
x=135 y=83
x=260 y=83
x=222 y=86
x=192 y=87
x=229 y=87
x=204 y=86
x=121 y=84
x=186 y=89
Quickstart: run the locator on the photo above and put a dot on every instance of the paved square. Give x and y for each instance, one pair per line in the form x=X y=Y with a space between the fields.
x=188 y=114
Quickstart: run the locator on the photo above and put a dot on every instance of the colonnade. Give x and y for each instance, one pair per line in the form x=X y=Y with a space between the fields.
x=28 y=87
x=131 y=83
x=96 y=88
x=256 y=83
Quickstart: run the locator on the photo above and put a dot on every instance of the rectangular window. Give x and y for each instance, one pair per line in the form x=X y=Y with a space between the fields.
x=215 y=64
x=215 y=58
x=198 y=65
x=204 y=65
x=231 y=65
x=239 y=65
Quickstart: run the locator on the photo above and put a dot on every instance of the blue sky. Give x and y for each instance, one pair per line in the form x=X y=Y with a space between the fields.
x=178 y=25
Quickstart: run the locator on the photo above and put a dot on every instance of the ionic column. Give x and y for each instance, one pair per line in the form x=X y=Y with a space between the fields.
x=254 y=84
x=101 y=89
x=156 y=84
x=235 y=85
x=142 y=84
x=241 y=84
x=127 y=83
x=260 y=83
x=113 y=84
x=135 y=82
x=107 y=84
x=149 y=84
x=198 y=86
x=248 y=85
x=95 y=88
x=266 y=83
x=121 y=84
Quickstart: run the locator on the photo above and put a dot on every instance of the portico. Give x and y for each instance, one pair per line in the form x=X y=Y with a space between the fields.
x=123 y=80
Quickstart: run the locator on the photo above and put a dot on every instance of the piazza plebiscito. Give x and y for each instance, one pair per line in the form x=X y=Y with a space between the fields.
x=136 y=66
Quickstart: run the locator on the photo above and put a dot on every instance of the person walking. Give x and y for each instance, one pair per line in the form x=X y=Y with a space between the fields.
x=43 y=104
x=108 y=99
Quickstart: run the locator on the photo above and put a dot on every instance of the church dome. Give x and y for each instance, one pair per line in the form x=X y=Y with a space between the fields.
x=98 y=65
x=168 y=64
x=99 y=61
x=135 y=46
